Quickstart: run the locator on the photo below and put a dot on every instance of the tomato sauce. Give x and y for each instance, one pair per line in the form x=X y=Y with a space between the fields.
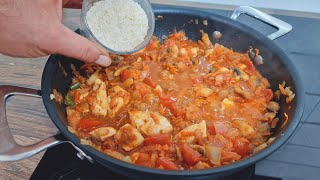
x=175 y=105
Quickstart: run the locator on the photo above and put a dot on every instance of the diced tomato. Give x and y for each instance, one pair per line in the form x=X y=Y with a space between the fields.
x=227 y=156
x=241 y=147
x=76 y=96
x=153 y=44
x=158 y=139
x=168 y=43
x=268 y=94
x=144 y=160
x=166 y=100
x=190 y=156
x=165 y=97
x=142 y=88
x=187 y=133
x=177 y=36
x=88 y=124
x=149 y=82
x=166 y=103
x=249 y=65
x=211 y=129
x=125 y=74
x=196 y=80
x=221 y=141
x=149 y=148
x=166 y=163
x=178 y=111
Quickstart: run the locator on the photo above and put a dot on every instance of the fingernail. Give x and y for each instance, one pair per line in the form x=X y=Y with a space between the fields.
x=103 y=61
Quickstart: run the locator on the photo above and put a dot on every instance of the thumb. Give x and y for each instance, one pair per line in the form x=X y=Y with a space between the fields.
x=75 y=46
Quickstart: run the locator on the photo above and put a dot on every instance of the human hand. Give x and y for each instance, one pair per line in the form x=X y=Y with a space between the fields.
x=34 y=29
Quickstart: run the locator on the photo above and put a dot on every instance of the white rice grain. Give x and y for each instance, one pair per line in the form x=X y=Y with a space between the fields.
x=120 y=25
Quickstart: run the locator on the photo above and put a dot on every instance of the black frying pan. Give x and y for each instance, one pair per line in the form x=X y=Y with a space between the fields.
x=277 y=67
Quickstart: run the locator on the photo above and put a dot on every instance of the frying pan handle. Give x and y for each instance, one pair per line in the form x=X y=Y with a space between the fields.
x=283 y=27
x=9 y=149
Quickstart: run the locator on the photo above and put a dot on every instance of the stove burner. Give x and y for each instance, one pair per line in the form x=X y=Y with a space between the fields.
x=62 y=163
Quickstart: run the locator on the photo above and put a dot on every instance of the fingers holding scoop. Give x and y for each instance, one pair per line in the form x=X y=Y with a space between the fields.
x=73 y=45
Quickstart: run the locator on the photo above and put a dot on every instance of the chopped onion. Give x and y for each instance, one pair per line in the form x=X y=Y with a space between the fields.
x=214 y=154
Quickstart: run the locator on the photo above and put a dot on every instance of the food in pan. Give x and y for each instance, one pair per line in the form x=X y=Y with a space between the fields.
x=176 y=105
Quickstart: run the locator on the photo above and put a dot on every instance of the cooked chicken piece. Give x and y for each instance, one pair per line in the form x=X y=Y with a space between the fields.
x=188 y=134
x=140 y=119
x=129 y=137
x=103 y=133
x=161 y=124
x=100 y=105
x=73 y=117
x=127 y=159
x=204 y=92
x=114 y=154
x=117 y=98
x=72 y=130
x=116 y=103
x=118 y=91
x=150 y=123
x=117 y=155
x=244 y=128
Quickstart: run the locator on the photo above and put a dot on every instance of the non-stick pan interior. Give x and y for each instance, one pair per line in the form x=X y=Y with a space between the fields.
x=277 y=67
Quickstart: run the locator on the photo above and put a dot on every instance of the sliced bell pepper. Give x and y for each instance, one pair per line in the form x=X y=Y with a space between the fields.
x=88 y=124
x=190 y=156
x=166 y=163
x=158 y=139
